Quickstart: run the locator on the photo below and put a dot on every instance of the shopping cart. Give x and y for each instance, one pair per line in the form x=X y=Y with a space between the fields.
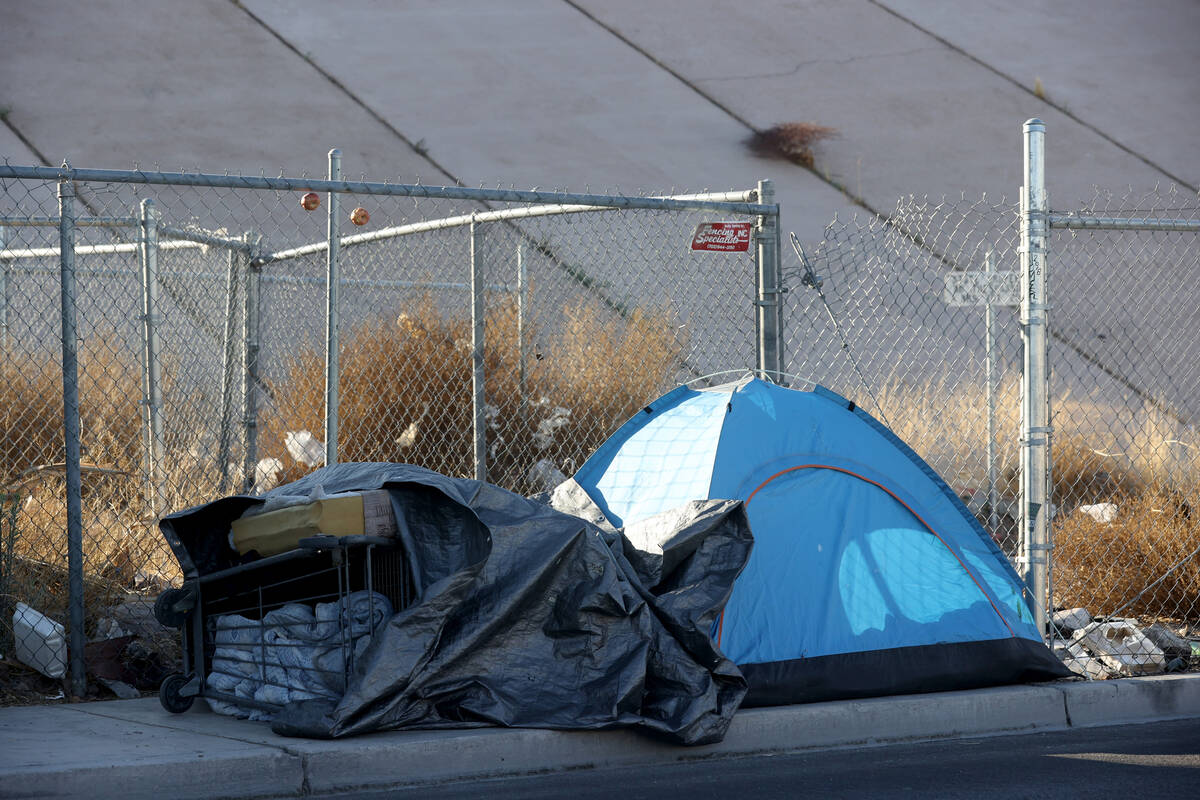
x=283 y=628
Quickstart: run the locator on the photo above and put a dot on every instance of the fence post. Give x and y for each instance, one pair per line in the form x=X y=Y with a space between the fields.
x=227 y=356
x=769 y=314
x=780 y=290
x=989 y=324
x=332 y=291
x=522 y=389
x=4 y=291
x=250 y=346
x=478 y=404
x=1035 y=400
x=70 y=375
x=151 y=367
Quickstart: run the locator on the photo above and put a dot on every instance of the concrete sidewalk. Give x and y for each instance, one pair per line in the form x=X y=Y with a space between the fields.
x=134 y=749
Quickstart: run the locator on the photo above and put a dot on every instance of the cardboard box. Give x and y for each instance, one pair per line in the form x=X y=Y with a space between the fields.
x=349 y=514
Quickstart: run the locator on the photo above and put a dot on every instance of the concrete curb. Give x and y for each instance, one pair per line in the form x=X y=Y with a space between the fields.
x=134 y=749
x=1158 y=697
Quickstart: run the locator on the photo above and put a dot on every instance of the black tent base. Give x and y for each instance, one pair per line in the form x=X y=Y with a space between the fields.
x=901 y=670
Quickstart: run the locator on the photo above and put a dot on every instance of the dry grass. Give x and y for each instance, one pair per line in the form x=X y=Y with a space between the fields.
x=406 y=390
x=945 y=421
x=31 y=398
x=1103 y=566
x=790 y=140
x=406 y=396
x=1140 y=459
x=603 y=373
x=120 y=539
x=1152 y=476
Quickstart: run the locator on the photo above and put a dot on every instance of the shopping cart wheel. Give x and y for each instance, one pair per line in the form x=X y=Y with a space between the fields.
x=172 y=606
x=169 y=696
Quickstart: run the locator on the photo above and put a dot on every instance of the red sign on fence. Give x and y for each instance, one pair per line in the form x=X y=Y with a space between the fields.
x=726 y=237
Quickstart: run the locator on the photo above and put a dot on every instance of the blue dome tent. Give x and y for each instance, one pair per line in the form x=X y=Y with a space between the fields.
x=868 y=575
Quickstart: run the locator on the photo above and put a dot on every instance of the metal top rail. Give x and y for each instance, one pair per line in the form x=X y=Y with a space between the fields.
x=80 y=222
x=685 y=203
x=89 y=250
x=462 y=220
x=1077 y=222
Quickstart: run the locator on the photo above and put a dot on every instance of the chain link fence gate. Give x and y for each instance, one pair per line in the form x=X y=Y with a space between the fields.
x=489 y=332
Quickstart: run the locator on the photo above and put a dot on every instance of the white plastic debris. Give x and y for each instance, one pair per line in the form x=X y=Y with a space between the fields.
x=1122 y=648
x=305 y=448
x=39 y=641
x=1101 y=512
x=266 y=474
x=121 y=689
x=545 y=475
x=407 y=437
x=548 y=427
x=109 y=628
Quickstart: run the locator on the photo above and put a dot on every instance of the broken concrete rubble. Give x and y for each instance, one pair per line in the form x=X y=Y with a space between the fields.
x=1069 y=620
x=1172 y=645
x=1077 y=659
x=1121 y=647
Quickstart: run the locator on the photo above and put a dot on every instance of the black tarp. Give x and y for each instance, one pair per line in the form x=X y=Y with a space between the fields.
x=524 y=616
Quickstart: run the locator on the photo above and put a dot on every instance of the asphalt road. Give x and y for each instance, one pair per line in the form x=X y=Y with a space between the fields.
x=1128 y=761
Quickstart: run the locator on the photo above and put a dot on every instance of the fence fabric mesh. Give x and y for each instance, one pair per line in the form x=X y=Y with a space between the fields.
x=574 y=318
x=878 y=330
x=579 y=319
x=1124 y=379
x=1126 y=384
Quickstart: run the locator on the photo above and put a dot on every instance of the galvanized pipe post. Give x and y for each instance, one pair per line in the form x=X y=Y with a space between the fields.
x=989 y=325
x=780 y=290
x=478 y=403
x=225 y=435
x=333 y=286
x=151 y=365
x=4 y=291
x=522 y=388
x=769 y=295
x=70 y=376
x=250 y=348
x=1035 y=397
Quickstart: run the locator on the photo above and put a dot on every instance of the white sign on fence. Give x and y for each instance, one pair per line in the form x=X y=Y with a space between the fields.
x=982 y=289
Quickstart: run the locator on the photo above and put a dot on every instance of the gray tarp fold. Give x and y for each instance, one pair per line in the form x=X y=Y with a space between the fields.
x=525 y=615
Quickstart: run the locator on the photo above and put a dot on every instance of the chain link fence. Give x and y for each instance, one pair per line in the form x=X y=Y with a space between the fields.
x=894 y=313
x=1126 y=383
x=486 y=333
x=870 y=319
x=504 y=335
